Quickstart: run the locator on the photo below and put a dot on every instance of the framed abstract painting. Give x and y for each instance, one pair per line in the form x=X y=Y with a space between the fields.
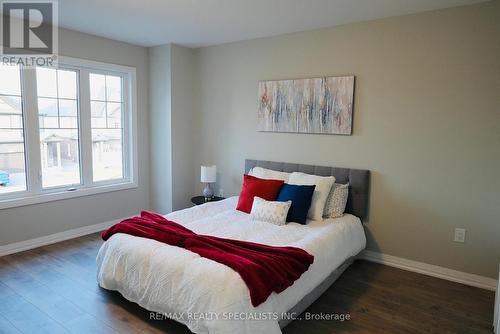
x=316 y=105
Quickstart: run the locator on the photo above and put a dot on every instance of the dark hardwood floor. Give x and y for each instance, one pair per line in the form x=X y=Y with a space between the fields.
x=53 y=289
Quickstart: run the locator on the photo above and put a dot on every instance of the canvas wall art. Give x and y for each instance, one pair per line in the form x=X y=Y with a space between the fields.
x=317 y=105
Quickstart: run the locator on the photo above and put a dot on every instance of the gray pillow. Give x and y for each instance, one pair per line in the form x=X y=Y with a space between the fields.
x=336 y=201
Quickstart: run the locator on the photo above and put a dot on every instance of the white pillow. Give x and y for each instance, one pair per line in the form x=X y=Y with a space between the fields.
x=269 y=211
x=337 y=200
x=269 y=174
x=323 y=186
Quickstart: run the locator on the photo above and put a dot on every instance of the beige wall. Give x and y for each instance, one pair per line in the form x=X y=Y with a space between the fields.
x=172 y=124
x=426 y=123
x=160 y=134
x=28 y=222
x=184 y=121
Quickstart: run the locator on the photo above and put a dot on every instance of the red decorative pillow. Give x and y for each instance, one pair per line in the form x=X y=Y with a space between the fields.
x=253 y=186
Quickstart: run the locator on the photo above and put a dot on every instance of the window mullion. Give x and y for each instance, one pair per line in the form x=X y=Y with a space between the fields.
x=31 y=130
x=85 y=129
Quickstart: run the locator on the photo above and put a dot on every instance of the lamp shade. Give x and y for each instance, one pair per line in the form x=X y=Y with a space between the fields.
x=208 y=174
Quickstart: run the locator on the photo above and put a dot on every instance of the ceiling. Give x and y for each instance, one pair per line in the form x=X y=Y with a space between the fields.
x=198 y=23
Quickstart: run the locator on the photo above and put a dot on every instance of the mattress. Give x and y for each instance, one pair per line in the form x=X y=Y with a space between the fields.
x=210 y=297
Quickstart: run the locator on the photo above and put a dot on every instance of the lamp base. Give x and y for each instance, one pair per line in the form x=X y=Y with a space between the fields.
x=208 y=192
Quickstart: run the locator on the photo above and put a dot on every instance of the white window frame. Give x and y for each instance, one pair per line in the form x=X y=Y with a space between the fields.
x=34 y=192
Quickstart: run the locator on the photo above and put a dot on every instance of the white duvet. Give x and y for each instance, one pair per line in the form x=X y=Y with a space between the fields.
x=210 y=297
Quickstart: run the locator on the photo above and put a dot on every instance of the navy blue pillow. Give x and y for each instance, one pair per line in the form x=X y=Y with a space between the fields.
x=301 y=197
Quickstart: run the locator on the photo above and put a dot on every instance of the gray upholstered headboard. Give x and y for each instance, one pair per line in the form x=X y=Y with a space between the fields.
x=358 y=179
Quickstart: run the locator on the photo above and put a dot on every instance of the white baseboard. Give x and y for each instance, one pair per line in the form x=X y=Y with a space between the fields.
x=53 y=238
x=430 y=270
x=389 y=260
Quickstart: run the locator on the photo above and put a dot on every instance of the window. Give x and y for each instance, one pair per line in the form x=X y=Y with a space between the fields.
x=12 y=161
x=106 y=106
x=65 y=131
x=58 y=124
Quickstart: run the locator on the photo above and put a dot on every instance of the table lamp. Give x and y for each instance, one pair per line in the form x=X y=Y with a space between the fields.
x=208 y=175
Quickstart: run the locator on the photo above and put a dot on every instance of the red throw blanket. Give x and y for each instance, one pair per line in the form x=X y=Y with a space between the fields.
x=263 y=268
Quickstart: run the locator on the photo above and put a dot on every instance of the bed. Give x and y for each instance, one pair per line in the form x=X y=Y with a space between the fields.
x=209 y=297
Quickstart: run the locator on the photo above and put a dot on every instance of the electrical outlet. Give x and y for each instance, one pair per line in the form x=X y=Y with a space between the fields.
x=459 y=235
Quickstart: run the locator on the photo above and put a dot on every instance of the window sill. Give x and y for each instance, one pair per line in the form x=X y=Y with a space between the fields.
x=30 y=199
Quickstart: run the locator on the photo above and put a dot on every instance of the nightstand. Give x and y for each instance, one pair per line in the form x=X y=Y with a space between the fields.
x=198 y=200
